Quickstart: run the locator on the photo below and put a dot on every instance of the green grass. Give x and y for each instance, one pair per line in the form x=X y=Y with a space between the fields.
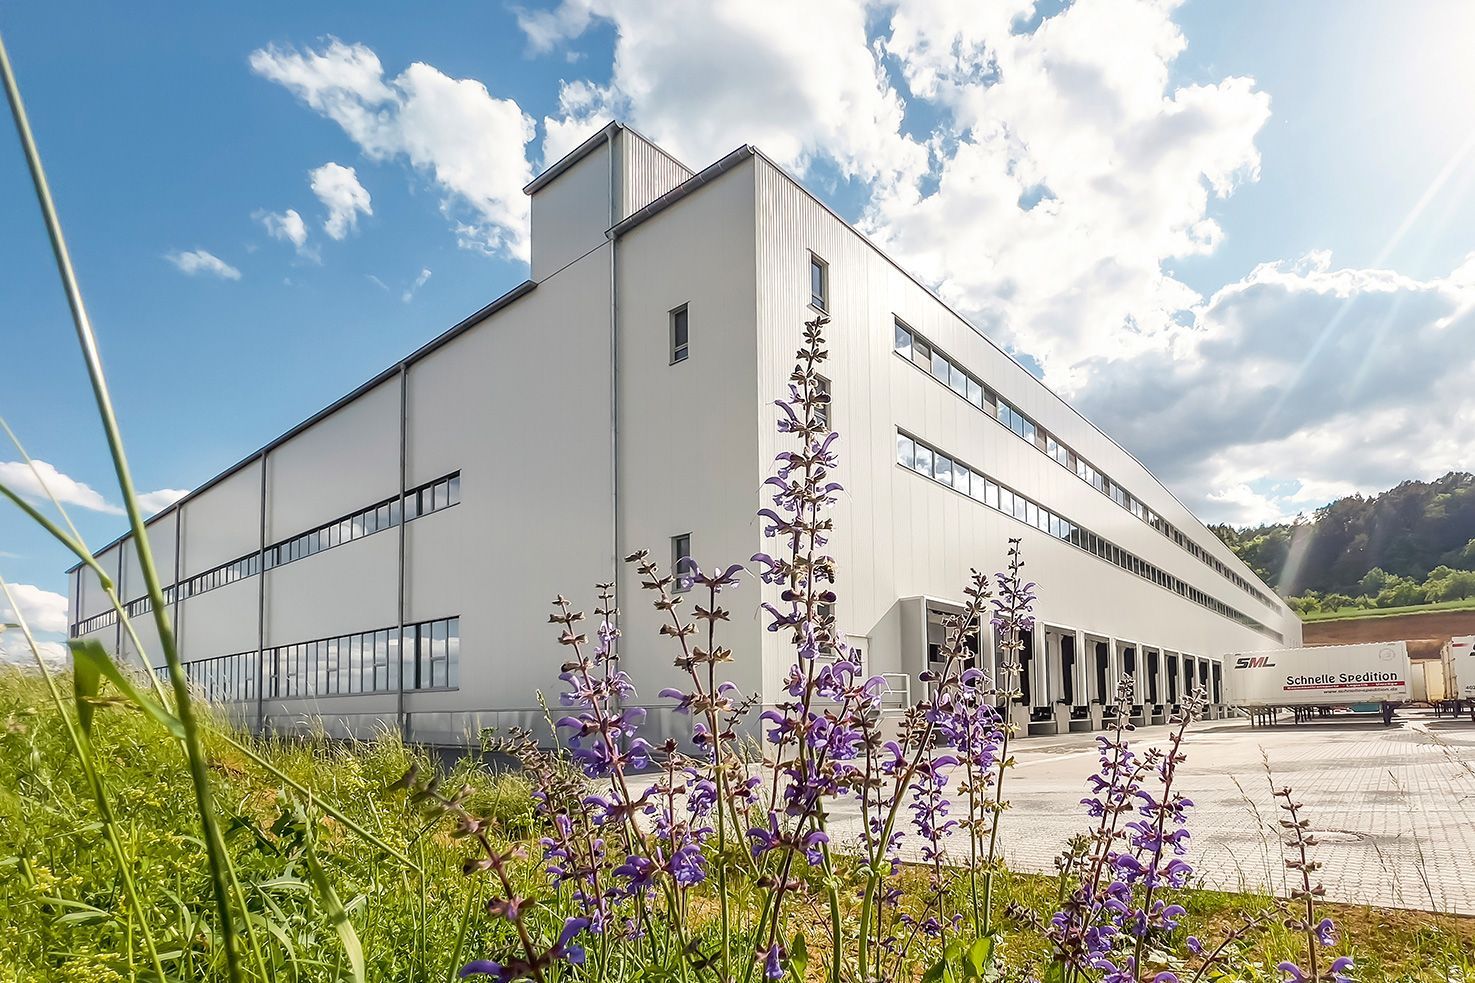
x=62 y=917
x=1348 y=613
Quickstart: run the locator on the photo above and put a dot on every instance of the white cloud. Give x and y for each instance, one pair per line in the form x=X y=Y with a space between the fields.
x=19 y=477
x=1069 y=171
x=287 y=226
x=197 y=261
x=338 y=188
x=582 y=109
x=1303 y=380
x=43 y=610
x=471 y=144
x=15 y=650
x=158 y=501
x=1045 y=173
x=410 y=291
x=798 y=80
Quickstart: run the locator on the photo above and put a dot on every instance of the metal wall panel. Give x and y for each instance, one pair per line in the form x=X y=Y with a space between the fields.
x=223 y=523
x=342 y=463
x=689 y=457
x=571 y=213
x=901 y=534
x=644 y=173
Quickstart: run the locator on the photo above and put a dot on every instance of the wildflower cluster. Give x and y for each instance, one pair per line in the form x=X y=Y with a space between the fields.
x=632 y=831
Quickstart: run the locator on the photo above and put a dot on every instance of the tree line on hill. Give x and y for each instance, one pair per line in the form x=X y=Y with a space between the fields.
x=1413 y=544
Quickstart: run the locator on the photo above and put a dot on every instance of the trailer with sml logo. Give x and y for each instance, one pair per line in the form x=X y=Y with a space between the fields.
x=1318 y=681
x=1457 y=659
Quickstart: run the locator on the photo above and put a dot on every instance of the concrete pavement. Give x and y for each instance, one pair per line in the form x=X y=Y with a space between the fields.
x=1394 y=807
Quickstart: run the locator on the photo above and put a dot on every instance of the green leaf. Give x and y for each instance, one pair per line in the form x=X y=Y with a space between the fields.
x=945 y=969
x=1055 y=972
x=980 y=957
x=337 y=916
x=90 y=665
x=798 y=958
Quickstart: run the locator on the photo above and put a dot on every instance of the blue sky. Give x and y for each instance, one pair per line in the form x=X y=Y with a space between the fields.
x=1311 y=132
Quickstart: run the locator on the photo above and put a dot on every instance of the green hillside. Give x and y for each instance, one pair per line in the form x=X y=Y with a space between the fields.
x=1410 y=545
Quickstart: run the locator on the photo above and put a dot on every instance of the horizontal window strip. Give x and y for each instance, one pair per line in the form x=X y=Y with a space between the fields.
x=222 y=678
x=95 y=623
x=432 y=496
x=924 y=459
x=428 y=656
x=921 y=353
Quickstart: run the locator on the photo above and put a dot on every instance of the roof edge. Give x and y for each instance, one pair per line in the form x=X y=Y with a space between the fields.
x=568 y=160
x=698 y=180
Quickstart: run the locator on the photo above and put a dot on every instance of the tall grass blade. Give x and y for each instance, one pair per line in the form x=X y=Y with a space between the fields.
x=100 y=799
x=194 y=750
x=90 y=665
x=337 y=915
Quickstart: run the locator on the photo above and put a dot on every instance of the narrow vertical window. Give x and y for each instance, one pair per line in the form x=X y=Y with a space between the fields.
x=680 y=334
x=903 y=339
x=438 y=653
x=822 y=407
x=819 y=283
x=453 y=652
x=682 y=565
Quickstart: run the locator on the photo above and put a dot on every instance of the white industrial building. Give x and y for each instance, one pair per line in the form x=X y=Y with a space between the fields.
x=390 y=562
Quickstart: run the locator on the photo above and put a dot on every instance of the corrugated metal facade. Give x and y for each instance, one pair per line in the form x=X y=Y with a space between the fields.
x=645 y=173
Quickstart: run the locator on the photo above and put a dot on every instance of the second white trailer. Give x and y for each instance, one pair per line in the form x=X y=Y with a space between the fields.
x=1458 y=660
x=1319 y=675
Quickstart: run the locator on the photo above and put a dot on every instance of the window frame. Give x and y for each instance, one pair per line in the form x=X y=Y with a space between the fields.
x=681 y=581
x=682 y=352
x=818 y=264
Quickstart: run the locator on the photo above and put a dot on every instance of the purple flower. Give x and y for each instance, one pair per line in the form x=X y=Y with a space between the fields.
x=1326 y=932
x=1293 y=972
x=773 y=962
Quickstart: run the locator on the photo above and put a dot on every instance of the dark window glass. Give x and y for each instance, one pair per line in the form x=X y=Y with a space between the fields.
x=680 y=334
x=681 y=562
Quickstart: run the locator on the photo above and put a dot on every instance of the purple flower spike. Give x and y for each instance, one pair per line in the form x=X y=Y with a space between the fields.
x=1293 y=972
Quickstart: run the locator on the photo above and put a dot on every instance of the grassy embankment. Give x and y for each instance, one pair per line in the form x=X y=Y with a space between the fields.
x=62 y=916
x=1341 y=614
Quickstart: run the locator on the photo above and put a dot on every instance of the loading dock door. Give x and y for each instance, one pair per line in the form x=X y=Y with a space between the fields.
x=1068 y=667
x=1026 y=659
x=1129 y=668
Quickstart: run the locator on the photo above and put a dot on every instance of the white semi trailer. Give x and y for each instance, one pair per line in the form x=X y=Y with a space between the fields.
x=1458 y=661
x=1320 y=675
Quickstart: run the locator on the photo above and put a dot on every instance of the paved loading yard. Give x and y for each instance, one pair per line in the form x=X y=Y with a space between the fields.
x=1397 y=805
